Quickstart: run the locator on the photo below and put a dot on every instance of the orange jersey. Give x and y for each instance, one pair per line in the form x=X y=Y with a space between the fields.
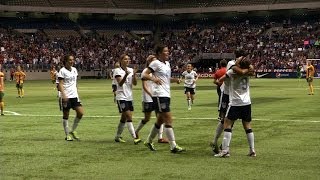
x=53 y=75
x=1 y=81
x=19 y=76
x=310 y=71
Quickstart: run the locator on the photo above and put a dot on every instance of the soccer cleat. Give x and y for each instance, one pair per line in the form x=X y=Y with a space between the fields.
x=215 y=148
x=119 y=140
x=189 y=108
x=68 y=138
x=136 y=141
x=177 y=149
x=163 y=140
x=252 y=154
x=150 y=146
x=2 y=114
x=222 y=154
x=74 y=134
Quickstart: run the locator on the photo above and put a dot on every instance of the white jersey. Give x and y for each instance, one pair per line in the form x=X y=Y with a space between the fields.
x=145 y=96
x=69 y=81
x=239 y=94
x=226 y=84
x=124 y=92
x=162 y=70
x=113 y=79
x=189 y=79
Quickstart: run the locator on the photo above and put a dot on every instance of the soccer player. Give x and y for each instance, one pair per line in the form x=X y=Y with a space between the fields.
x=19 y=76
x=53 y=75
x=309 y=77
x=161 y=76
x=1 y=90
x=219 y=73
x=125 y=77
x=114 y=85
x=224 y=101
x=70 y=97
x=147 y=103
x=239 y=108
x=191 y=78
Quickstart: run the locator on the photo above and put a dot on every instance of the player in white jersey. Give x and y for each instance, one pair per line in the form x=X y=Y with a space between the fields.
x=147 y=102
x=70 y=98
x=224 y=98
x=239 y=108
x=125 y=78
x=114 y=85
x=191 y=78
x=161 y=76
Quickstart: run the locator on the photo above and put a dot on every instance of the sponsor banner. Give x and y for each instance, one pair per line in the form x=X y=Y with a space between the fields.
x=275 y=70
x=282 y=75
x=205 y=75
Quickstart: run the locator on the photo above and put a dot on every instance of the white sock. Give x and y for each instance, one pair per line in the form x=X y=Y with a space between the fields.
x=153 y=132
x=65 y=126
x=75 y=123
x=160 y=131
x=189 y=102
x=120 y=129
x=131 y=129
x=226 y=141
x=171 y=138
x=140 y=126
x=250 y=137
x=218 y=133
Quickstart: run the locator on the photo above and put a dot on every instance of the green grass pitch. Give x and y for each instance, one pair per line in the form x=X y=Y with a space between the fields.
x=286 y=123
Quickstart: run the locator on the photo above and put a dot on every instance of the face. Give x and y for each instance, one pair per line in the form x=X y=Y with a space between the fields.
x=125 y=61
x=164 y=55
x=189 y=67
x=70 y=61
x=309 y=63
x=18 y=68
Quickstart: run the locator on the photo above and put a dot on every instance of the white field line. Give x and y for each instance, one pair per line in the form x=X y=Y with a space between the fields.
x=185 y=118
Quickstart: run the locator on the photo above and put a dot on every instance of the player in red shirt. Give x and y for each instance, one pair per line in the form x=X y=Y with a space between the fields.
x=219 y=73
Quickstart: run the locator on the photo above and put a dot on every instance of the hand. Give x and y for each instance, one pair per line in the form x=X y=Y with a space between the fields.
x=157 y=80
x=178 y=81
x=65 y=101
x=135 y=69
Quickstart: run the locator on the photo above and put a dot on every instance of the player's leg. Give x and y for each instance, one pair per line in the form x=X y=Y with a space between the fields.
x=147 y=110
x=187 y=92
x=122 y=122
x=246 y=122
x=18 y=89
x=79 y=113
x=65 y=123
x=192 y=95
x=310 y=82
x=1 y=103
x=21 y=90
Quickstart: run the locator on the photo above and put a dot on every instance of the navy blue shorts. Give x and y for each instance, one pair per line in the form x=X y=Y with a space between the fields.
x=147 y=106
x=71 y=103
x=124 y=106
x=161 y=104
x=239 y=112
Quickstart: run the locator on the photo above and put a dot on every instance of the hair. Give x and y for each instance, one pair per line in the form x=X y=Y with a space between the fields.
x=149 y=59
x=223 y=63
x=240 y=52
x=244 y=63
x=121 y=58
x=159 y=48
x=66 y=58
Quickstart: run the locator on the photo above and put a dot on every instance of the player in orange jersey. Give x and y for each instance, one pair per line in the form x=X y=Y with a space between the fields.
x=19 y=75
x=1 y=90
x=309 y=76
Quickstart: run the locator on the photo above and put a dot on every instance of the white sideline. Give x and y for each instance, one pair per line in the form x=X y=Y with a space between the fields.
x=11 y=113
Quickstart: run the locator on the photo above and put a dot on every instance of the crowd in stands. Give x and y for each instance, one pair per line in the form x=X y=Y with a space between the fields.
x=270 y=48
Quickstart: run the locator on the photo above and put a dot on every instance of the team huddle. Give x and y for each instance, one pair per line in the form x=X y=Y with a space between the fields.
x=156 y=78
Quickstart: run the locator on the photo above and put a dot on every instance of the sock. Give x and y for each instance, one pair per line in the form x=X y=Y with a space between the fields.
x=153 y=132
x=226 y=139
x=189 y=102
x=160 y=131
x=218 y=133
x=170 y=134
x=250 y=137
x=120 y=129
x=75 y=123
x=19 y=94
x=140 y=126
x=22 y=92
x=65 y=126
x=131 y=129
x=114 y=99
